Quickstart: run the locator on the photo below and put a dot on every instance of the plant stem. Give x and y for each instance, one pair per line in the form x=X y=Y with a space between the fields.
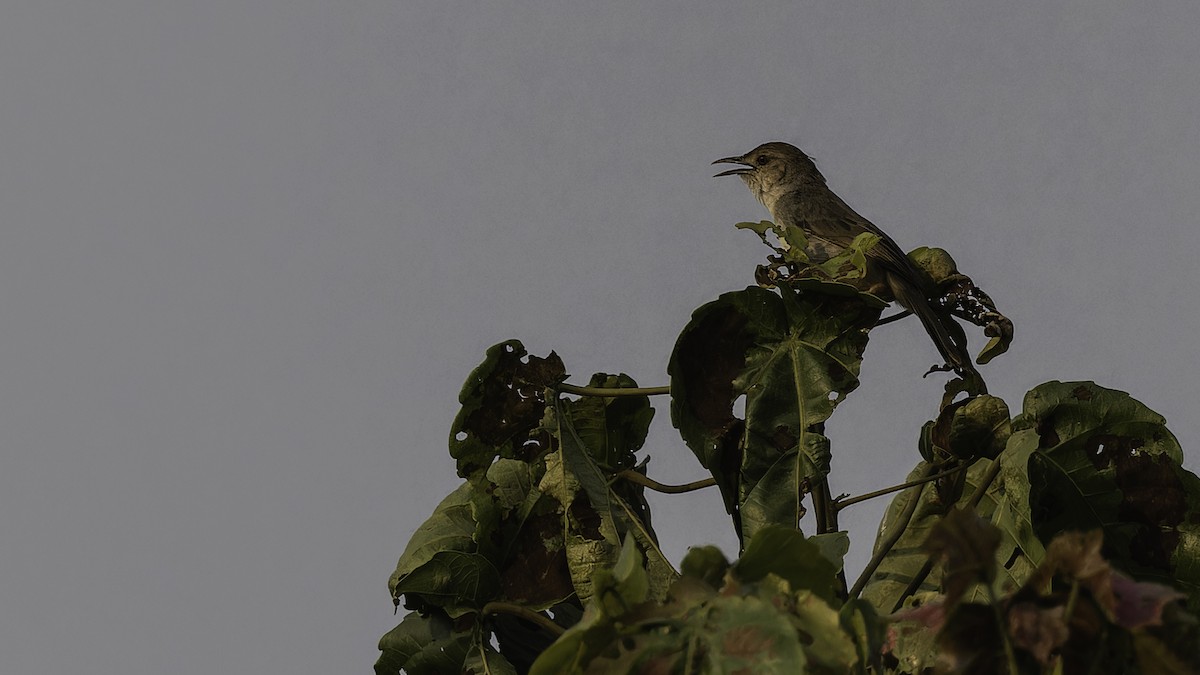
x=840 y=504
x=608 y=392
x=523 y=613
x=635 y=477
x=888 y=319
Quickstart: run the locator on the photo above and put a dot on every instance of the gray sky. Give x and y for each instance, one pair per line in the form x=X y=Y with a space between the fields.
x=249 y=251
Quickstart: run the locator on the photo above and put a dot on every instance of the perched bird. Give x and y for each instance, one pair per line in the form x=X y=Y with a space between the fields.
x=788 y=183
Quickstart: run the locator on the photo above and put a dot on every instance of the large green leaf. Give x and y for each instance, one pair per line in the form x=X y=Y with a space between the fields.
x=1017 y=555
x=429 y=645
x=498 y=542
x=423 y=645
x=596 y=512
x=793 y=356
x=905 y=559
x=1105 y=460
x=449 y=530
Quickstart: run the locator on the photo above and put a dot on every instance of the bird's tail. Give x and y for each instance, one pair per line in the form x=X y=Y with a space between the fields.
x=952 y=346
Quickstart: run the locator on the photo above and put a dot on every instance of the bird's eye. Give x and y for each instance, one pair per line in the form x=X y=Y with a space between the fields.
x=761 y=160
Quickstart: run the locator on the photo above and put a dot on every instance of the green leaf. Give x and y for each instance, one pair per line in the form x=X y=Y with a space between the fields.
x=422 y=646
x=1017 y=554
x=860 y=620
x=792 y=356
x=762 y=626
x=483 y=660
x=625 y=585
x=451 y=528
x=828 y=644
x=834 y=546
x=497 y=539
x=786 y=553
x=597 y=515
x=750 y=635
x=575 y=648
x=457 y=582
x=761 y=228
x=706 y=563
x=1104 y=460
x=975 y=427
x=612 y=428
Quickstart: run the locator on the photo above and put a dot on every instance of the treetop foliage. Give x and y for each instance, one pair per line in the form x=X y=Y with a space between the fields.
x=1064 y=539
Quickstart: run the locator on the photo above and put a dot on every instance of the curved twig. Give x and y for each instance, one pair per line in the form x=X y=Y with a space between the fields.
x=523 y=613
x=635 y=477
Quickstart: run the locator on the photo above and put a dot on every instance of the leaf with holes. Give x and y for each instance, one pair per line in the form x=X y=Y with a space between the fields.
x=1105 y=460
x=793 y=356
x=502 y=404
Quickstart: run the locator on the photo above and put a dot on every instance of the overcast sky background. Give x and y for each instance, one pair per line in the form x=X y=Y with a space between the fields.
x=250 y=250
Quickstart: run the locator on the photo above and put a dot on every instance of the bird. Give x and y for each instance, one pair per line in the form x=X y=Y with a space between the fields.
x=786 y=181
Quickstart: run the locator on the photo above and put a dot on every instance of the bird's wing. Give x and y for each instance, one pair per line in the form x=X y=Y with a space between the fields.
x=833 y=221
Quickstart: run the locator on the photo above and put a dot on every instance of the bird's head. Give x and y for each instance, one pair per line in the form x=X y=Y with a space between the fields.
x=772 y=170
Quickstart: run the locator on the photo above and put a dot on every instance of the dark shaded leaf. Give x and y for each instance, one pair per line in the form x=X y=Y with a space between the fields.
x=1104 y=460
x=786 y=553
x=485 y=661
x=1173 y=647
x=975 y=427
x=502 y=404
x=860 y=621
x=451 y=529
x=970 y=643
x=792 y=356
x=423 y=645
x=964 y=299
x=612 y=428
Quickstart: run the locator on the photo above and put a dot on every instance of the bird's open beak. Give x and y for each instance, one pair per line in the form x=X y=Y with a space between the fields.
x=746 y=167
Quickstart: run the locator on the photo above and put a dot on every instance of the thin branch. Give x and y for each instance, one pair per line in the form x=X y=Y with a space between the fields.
x=914 y=583
x=523 y=613
x=888 y=319
x=885 y=546
x=843 y=503
x=993 y=471
x=635 y=477
x=565 y=388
